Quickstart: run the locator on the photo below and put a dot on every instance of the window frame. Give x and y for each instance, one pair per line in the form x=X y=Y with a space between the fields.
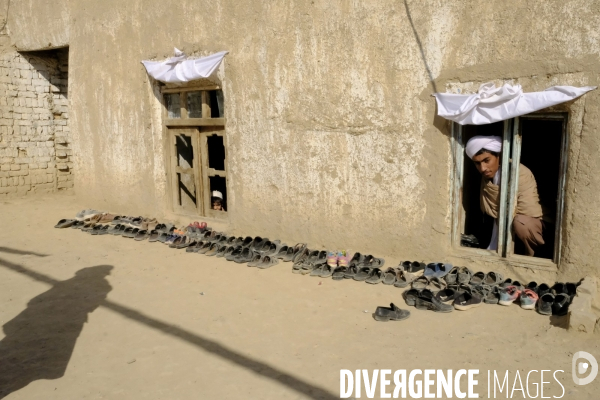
x=512 y=138
x=199 y=128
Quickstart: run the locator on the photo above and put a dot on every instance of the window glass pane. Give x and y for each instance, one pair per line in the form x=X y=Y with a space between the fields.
x=216 y=101
x=216 y=152
x=194 y=104
x=173 y=103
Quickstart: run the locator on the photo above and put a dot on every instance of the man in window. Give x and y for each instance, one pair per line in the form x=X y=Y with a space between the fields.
x=527 y=223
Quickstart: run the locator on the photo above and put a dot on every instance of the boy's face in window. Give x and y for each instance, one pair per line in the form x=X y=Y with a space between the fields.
x=217 y=206
x=487 y=164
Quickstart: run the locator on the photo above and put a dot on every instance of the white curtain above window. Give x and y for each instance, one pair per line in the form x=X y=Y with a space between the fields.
x=179 y=69
x=493 y=104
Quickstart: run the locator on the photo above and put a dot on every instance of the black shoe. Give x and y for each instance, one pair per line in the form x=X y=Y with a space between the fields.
x=559 y=288
x=543 y=289
x=392 y=313
x=571 y=289
x=544 y=304
x=561 y=304
x=410 y=296
x=533 y=286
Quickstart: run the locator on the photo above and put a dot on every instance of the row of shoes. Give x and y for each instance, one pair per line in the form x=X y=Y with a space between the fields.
x=443 y=288
x=197 y=237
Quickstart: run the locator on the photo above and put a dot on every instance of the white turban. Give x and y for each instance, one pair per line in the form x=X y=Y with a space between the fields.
x=476 y=143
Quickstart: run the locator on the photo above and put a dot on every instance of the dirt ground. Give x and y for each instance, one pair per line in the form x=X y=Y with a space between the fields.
x=104 y=317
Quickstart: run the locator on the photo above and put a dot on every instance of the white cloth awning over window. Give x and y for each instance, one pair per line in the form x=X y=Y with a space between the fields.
x=179 y=69
x=492 y=104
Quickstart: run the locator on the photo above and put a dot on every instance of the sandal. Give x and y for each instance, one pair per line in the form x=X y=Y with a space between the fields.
x=267 y=262
x=65 y=223
x=403 y=279
x=376 y=276
x=389 y=277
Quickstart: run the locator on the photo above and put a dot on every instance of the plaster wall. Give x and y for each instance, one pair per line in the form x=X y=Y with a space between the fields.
x=331 y=129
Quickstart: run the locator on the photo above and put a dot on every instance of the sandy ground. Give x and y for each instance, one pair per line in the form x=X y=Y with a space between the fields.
x=104 y=317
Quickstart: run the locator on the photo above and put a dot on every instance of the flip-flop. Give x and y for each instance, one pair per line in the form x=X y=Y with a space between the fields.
x=389 y=277
x=133 y=232
x=375 y=276
x=126 y=232
x=267 y=262
x=103 y=230
x=65 y=223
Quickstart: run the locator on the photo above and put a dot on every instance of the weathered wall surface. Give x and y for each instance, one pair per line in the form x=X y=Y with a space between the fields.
x=331 y=129
x=35 y=153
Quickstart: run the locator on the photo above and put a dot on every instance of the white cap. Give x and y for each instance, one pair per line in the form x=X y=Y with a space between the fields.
x=218 y=194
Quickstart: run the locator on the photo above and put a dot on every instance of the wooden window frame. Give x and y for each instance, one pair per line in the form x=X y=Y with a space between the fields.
x=512 y=139
x=199 y=129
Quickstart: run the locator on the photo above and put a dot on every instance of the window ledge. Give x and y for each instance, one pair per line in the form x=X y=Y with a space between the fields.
x=513 y=261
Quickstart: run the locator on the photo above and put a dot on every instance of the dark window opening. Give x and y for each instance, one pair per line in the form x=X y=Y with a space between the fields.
x=540 y=152
x=216 y=152
x=477 y=223
x=215 y=100
x=219 y=184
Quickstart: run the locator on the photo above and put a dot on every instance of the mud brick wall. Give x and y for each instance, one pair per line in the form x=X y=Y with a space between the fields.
x=35 y=150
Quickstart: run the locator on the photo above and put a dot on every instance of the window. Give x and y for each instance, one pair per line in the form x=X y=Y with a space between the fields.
x=195 y=138
x=538 y=142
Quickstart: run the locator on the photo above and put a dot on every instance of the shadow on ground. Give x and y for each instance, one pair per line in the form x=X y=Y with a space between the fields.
x=40 y=340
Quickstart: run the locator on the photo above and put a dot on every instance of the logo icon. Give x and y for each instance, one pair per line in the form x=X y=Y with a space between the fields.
x=582 y=367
